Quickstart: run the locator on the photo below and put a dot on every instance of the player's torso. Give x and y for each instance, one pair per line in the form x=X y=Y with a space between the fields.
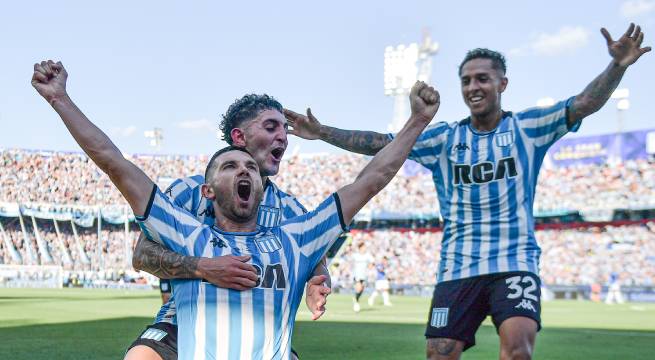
x=485 y=184
x=231 y=324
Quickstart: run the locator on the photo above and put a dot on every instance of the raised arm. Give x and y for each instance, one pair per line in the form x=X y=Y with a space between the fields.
x=49 y=80
x=624 y=52
x=383 y=167
x=309 y=128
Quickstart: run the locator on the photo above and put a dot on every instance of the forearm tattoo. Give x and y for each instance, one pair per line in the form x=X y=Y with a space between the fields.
x=596 y=94
x=163 y=263
x=362 y=142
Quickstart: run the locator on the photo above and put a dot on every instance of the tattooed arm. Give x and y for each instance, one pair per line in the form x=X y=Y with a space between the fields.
x=625 y=51
x=224 y=271
x=308 y=127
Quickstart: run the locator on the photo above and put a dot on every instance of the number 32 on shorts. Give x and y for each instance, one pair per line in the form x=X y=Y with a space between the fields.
x=514 y=284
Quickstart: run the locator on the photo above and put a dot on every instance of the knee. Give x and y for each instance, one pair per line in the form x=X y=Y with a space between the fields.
x=443 y=349
x=516 y=352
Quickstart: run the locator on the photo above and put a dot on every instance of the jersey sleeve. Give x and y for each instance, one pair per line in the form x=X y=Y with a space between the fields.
x=168 y=224
x=547 y=125
x=316 y=231
x=181 y=191
x=428 y=145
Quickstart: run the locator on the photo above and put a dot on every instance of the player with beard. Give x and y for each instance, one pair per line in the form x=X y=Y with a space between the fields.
x=256 y=123
x=220 y=323
x=485 y=171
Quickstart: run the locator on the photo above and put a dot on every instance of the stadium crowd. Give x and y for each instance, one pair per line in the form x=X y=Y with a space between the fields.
x=570 y=256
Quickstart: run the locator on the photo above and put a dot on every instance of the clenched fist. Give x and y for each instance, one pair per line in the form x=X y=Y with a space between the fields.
x=49 y=80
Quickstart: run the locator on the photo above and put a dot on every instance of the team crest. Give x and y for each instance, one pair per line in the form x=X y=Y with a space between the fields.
x=268 y=243
x=268 y=216
x=439 y=318
x=505 y=138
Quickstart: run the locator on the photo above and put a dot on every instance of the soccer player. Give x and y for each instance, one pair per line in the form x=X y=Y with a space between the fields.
x=485 y=170
x=256 y=123
x=381 y=283
x=259 y=320
x=361 y=262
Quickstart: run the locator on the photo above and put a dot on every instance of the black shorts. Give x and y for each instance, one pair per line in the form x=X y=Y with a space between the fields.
x=161 y=337
x=459 y=306
x=165 y=286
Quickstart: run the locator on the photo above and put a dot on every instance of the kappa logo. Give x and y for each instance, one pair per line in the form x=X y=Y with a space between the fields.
x=216 y=242
x=525 y=304
x=439 y=317
x=461 y=147
x=154 y=334
x=209 y=211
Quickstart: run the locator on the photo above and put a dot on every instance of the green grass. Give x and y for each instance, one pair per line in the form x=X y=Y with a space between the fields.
x=99 y=324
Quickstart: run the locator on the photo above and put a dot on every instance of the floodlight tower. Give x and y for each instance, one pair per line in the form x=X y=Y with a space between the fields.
x=403 y=65
x=156 y=137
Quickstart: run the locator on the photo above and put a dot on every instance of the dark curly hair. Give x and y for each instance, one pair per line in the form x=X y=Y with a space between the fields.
x=497 y=59
x=245 y=109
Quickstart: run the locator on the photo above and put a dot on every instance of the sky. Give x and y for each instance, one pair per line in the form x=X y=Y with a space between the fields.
x=137 y=65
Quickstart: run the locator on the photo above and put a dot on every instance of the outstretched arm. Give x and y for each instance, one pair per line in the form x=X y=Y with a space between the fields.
x=49 y=79
x=625 y=51
x=383 y=167
x=309 y=128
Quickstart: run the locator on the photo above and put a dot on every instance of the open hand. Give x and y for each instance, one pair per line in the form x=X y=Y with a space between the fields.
x=316 y=295
x=627 y=49
x=228 y=271
x=306 y=127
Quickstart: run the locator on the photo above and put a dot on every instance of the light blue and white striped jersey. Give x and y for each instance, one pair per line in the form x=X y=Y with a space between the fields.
x=486 y=185
x=218 y=323
x=186 y=193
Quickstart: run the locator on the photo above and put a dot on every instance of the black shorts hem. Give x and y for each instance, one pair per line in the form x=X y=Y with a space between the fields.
x=499 y=321
x=164 y=351
x=467 y=342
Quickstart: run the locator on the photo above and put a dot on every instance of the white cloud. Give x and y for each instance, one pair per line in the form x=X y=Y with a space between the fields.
x=124 y=132
x=633 y=8
x=201 y=124
x=566 y=40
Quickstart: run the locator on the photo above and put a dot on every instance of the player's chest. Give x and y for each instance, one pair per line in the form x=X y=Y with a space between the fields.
x=479 y=160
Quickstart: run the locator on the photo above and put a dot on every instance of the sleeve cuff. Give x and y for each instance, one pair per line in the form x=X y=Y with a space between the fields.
x=578 y=122
x=344 y=227
x=146 y=213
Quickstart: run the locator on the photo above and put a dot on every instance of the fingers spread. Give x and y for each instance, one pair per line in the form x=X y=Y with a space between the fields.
x=631 y=28
x=607 y=36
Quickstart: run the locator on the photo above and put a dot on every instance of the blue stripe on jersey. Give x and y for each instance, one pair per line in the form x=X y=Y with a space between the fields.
x=494 y=213
x=476 y=236
x=459 y=245
x=211 y=319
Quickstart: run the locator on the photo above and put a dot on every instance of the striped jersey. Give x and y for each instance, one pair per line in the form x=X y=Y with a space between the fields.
x=485 y=184
x=275 y=207
x=218 y=323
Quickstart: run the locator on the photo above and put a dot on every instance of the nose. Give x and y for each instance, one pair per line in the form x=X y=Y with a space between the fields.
x=281 y=135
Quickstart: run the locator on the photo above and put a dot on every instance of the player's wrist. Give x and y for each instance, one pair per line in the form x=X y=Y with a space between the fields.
x=59 y=100
x=200 y=271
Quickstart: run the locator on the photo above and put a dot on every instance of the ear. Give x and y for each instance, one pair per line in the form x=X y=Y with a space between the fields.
x=238 y=137
x=207 y=192
x=503 y=84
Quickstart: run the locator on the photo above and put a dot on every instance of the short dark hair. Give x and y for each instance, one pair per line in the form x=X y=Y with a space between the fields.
x=244 y=109
x=220 y=152
x=497 y=59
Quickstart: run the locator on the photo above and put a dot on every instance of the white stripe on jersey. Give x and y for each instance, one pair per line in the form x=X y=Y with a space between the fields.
x=199 y=346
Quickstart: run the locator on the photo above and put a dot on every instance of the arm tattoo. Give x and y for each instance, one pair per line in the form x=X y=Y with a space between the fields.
x=596 y=94
x=161 y=262
x=362 y=142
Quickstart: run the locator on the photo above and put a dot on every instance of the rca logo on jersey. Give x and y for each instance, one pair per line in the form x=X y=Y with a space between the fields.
x=505 y=138
x=439 y=317
x=268 y=216
x=268 y=243
x=273 y=277
x=484 y=172
x=525 y=304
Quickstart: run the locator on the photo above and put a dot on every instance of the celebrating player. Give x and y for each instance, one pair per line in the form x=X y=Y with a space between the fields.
x=259 y=320
x=485 y=170
x=256 y=123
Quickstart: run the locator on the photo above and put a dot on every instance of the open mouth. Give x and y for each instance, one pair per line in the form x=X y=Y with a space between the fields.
x=277 y=153
x=475 y=99
x=244 y=188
